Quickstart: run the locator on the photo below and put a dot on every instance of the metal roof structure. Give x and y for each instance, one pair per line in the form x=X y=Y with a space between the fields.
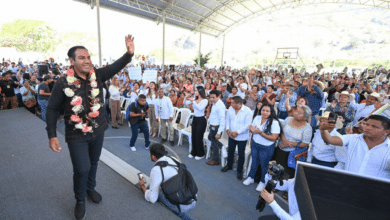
x=214 y=17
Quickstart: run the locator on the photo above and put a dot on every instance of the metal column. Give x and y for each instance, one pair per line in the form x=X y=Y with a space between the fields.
x=163 y=52
x=200 y=44
x=223 y=48
x=99 y=39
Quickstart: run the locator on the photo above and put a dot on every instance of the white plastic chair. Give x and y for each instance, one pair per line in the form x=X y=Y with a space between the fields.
x=187 y=132
x=123 y=112
x=225 y=143
x=276 y=107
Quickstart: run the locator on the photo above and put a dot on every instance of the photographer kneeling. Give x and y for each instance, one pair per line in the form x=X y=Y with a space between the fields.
x=288 y=185
x=160 y=174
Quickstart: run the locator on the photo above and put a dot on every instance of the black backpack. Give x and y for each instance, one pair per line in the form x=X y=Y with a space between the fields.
x=181 y=188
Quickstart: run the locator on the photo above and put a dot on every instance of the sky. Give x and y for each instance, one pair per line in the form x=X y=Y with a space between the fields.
x=69 y=15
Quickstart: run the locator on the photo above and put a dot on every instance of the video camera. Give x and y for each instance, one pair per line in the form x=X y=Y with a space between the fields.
x=278 y=174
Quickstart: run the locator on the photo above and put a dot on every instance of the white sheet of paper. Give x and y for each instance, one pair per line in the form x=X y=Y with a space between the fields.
x=150 y=75
x=135 y=73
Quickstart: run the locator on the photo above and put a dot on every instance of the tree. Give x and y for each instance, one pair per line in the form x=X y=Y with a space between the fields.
x=29 y=35
x=203 y=59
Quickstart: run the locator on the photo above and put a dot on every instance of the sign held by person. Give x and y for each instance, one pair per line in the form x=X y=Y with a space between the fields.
x=135 y=73
x=150 y=75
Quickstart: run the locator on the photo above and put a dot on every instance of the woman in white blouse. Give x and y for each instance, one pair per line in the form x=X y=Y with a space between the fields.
x=134 y=93
x=115 y=103
x=199 y=122
x=150 y=92
x=265 y=129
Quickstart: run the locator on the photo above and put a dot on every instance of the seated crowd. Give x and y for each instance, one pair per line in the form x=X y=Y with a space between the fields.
x=275 y=114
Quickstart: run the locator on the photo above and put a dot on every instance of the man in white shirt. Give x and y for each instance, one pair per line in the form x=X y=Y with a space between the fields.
x=164 y=113
x=238 y=119
x=241 y=87
x=364 y=109
x=158 y=154
x=368 y=153
x=293 y=208
x=321 y=153
x=217 y=125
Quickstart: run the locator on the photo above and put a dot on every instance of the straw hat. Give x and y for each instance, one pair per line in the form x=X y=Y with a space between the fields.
x=374 y=94
x=339 y=124
x=337 y=95
x=320 y=85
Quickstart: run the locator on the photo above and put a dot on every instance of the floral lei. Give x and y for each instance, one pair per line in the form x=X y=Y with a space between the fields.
x=77 y=101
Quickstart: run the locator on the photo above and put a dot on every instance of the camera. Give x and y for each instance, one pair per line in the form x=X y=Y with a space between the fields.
x=279 y=175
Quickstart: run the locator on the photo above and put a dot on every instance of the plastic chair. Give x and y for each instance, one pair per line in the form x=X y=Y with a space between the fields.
x=186 y=131
x=123 y=112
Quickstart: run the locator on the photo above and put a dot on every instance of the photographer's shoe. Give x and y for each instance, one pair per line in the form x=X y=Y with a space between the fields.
x=260 y=187
x=79 y=210
x=163 y=141
x=94 y=196
x=226 y=168
x=248 y=181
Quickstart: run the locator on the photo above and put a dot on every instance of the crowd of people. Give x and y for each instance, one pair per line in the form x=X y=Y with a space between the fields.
x=281 y=113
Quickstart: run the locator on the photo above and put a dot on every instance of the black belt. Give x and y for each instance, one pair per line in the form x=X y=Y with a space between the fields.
x=214 y=125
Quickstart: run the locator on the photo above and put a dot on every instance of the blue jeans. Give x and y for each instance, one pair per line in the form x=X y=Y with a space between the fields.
x=241 y=153
x=260 y=155
x=323 y=163
x=43 y=104
x=134 y=129
x=184 y=208
x=85 y=156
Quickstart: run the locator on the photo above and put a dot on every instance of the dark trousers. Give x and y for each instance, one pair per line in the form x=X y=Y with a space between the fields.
x=283 y=115
x=20 y=100
x=85 y=156
x=215 y=144
x=241 y=153
x=323 y=163
x=134 y=129
x=260 y=155
x=198 y=128
x=281 y=158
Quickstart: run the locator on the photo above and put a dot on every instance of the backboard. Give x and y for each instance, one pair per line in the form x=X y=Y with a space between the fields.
x=287 y=53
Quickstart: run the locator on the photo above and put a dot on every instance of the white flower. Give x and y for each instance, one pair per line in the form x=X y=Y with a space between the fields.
x=80 y=125
x=71 y=79
x=77 y=108
x=96 y=107
x=93 y=77
x=94 y=92
x=69 y=92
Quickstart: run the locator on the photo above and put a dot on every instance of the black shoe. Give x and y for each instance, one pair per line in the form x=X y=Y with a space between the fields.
x=239 y=176
x=172 y=143
x=225 y=169
x=163 y=141
x=94 y=196
x=79 y=210
x=116 y=127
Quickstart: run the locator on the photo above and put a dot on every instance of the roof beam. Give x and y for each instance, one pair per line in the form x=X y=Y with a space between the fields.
x=227 y=5
x=191 y=12
x=212 y=10
x=246 y=7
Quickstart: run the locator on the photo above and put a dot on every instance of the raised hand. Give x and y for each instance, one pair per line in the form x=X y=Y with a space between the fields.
x=129 y=40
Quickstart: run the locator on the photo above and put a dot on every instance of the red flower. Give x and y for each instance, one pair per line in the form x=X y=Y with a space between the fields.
x=70 y=72
x=77 y=100
x=87 y=129
x=75 y=118
x=94 y=114
x=91 y=72
x=94 y=84
x=77 y=82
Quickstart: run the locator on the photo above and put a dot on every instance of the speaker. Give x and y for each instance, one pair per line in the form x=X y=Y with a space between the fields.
x=43 y=69
x=172 y=67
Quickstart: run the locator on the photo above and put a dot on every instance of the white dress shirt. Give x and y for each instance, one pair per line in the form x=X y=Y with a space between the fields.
x=362 y=110
x=150 y=99
x=164 y=108
x=374 y=162
x=200 y=108
x=275 y=129
x=242 y=93
x=239 y=122
x=133 y=96
x=322 y=151
x=292 y=200
x=114 y=93
x=217 y=116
